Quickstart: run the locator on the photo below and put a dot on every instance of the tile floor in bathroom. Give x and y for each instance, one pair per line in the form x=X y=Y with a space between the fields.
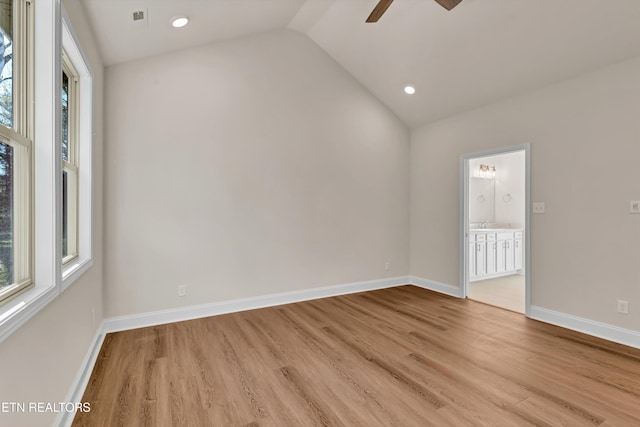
x=505 y=292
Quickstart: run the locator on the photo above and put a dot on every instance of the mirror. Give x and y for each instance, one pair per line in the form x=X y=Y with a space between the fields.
x=482 y=200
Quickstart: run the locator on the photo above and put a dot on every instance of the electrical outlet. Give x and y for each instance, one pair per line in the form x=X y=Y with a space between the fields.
x=634 y=206
x=623 y=306
x=387 y=266
x=539 y=207
x=182 y=290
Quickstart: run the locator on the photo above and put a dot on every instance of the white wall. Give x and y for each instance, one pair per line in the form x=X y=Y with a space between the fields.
x=585 y=149
x=39 y=361
x=247 y=168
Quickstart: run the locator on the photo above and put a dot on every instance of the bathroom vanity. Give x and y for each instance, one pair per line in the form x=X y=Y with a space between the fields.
x=494 y=252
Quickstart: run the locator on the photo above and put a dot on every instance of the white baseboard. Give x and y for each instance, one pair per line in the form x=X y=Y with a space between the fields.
x=586 y=326
x=432 y=285
x=81 y=380
x=197 y=311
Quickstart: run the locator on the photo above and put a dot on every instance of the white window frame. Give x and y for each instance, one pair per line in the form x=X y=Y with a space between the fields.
x=81 y=261
x=70 y=166
x=50 y=278
x=19 y=137
x=46 y=170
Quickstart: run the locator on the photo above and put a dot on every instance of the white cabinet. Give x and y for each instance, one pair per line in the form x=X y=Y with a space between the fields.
x=501 y=257
x=481 y=251
x=494 y=253
x=504 y=252
x=491 y=256
x=472 y=259
x=508 y=254
x=481 y=259
x=517 y=253
x=477 y=255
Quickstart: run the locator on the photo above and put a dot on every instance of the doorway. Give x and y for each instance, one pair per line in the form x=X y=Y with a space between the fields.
x=495 y=227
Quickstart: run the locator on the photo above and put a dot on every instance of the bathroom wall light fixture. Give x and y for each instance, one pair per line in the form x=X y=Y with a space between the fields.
x=486 y=171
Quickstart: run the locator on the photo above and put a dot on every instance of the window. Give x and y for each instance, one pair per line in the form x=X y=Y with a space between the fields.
x=69 y=160
x=15 y=149
x=43 y=163
x=76 y=152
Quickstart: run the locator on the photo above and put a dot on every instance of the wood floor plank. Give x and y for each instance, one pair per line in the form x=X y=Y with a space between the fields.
x=402 y=356
x=382 y=398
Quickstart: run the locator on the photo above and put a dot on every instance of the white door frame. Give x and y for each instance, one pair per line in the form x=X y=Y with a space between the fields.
x=464 y=215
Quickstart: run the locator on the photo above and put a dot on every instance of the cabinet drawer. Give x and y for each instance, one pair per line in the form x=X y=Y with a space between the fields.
x=481 y=237
x=518 y=234
x=491 y=236
x=505 y=236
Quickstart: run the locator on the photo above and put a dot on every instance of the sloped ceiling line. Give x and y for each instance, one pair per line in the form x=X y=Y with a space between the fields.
x=479 y=52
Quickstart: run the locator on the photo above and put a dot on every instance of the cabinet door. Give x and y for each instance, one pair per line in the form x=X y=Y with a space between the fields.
x=472 y=259
x=517 y=254
x=509 y=255
x=501 y=265
x=491 y=256
x=481 y=260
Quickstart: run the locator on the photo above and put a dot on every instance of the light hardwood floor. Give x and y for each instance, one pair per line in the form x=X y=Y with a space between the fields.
x=505 y=292
x=402 y=356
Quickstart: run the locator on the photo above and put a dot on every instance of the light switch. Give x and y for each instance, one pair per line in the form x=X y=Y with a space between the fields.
x=538 y=207
x=634 y=206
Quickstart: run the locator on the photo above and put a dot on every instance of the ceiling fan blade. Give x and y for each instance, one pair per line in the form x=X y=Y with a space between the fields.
x=380 y=8
x=448 y=4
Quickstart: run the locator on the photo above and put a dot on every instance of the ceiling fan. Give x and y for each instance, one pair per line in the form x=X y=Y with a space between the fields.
x=382 y=6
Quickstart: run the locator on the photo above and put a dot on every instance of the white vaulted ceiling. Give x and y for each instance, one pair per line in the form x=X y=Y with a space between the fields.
x=211 y=20
x=481 y=51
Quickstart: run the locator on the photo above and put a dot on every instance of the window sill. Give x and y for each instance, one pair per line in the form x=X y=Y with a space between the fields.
x=73 y=270
x=23 y=307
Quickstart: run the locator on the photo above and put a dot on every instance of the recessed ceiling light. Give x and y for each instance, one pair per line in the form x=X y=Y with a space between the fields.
x=179 y=21
x=409 y=90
